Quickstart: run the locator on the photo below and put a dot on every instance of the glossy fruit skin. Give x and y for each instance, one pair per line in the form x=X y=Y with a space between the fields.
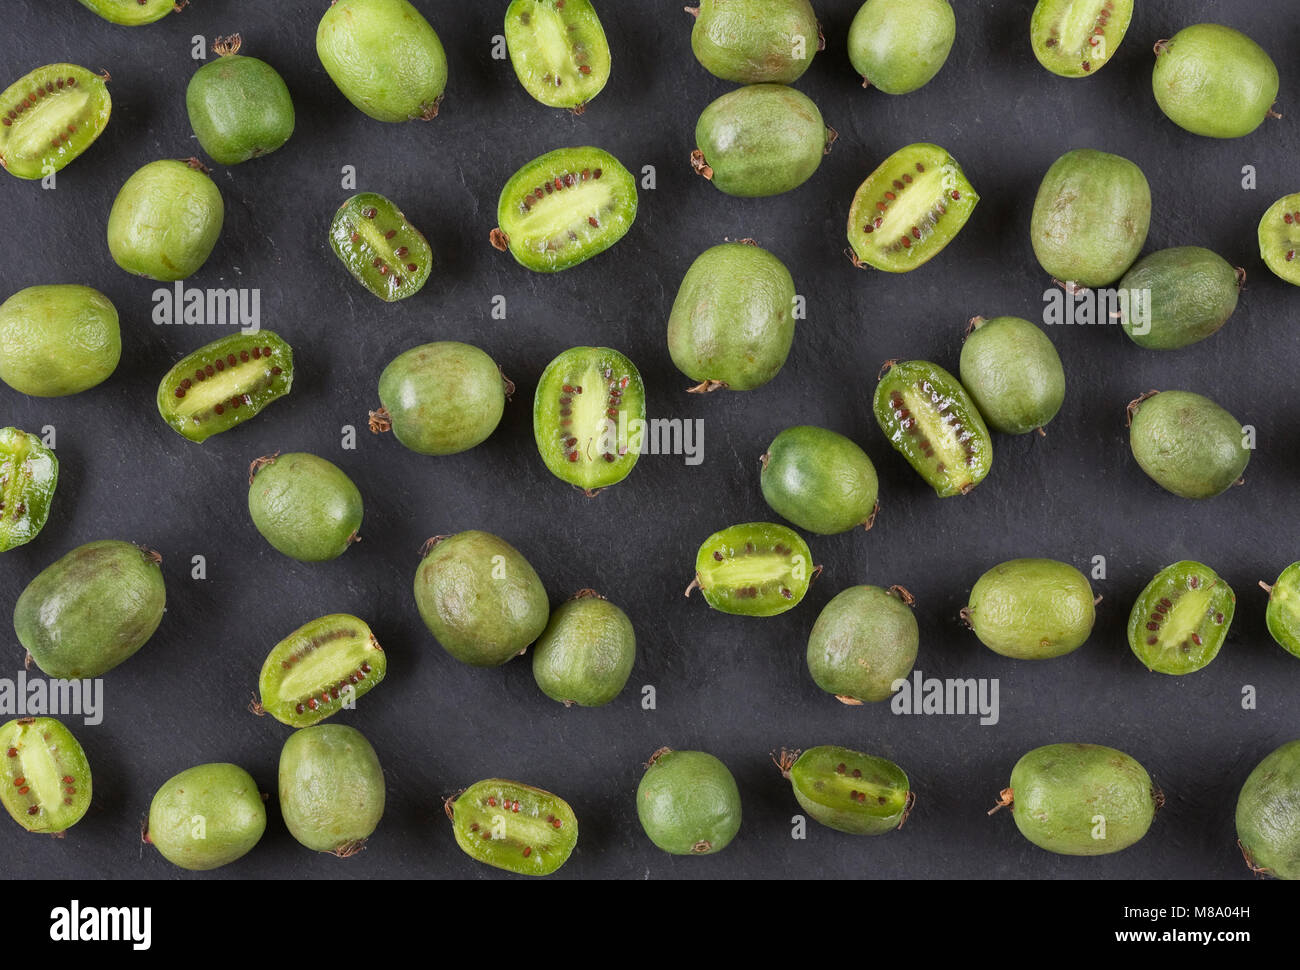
x=331 y=788
x=480 y=598
x=732 y=322
x=70 y=103
x=849 y=791
x=819 y=480
x=1031 y=609
x=1192 y=290
x=864 y=640
x=312 y=673
x=1082 y=52
x=45 y=781
x=1283 y=613
x=442 y=398
x=132 y=13
x=605 y=209
x=1187 y=444
x=305 y=507
x=369 y=229
x=760 y=140
x=58 y=340
x=590 y=401
x=1190 y=608
x=566 y=75
x=586 y=653
x=754 y=41
x=29 y=474
x=1013 y=374
x=1268 y=814
x=899 y=45
x=916 y=398
x=226 y=800
x=92 y=609
x=512 y=826
x=918 y=185
x=1214 y=81
x=1059 y=790
x=1091 y=217
x=384 y=57
x=1279 y=238
x=730 y=588
x=165 y=221
x=243 y=374
x=688 y=803
x=239 y=107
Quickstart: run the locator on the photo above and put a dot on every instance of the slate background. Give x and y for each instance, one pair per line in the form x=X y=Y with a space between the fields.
x=737 y=687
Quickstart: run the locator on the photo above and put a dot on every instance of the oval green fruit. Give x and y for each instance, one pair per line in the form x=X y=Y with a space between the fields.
x=331 y=788
x=558 y=50
x=133 y=13
x=931 y=421
x=29 y=474
x=480 y=598
x=1013 y=374
x=92 y=609
x=1174 y=297
x=899 y=45
x=1077 y=38
x=1091 y=217
x=165 y=220
x=45 y=778
x=760 y=140
x=319 y=669
x=732 y=322
x=1081 y=799
x=304 y=506
x=1031 y=609
x=384 y=57
x=819 y=480
x=688 y=802
x=1187 y=444
x=206 y=817
x=1279 y=238
x=1283 y=613
x=380 y=248
x=755 y=41
x=865 y=639
x=513 y=826
x=754 y=569
x=1215 y=81
x=586 y=652
x=224 y=383
x=1181 y=619
x=847 y=790
x=50 y=116
x=57 y=340
x=239 y=107
x=1268 y=814
x=441 y=398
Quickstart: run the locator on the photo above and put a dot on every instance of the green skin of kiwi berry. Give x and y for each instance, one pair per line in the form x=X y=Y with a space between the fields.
x=755 y=41
x=1268 y=814
x=864 y=640
x=57 y=340
x=1189 y=293
x=819 y=480
x=1060 y=790
x=1013 y=374
x=829 y=780
x=29 y=475
x=1090 y=218
x=899 y=45
x=1187 y=444
x=760 y=140
x=239 y=107
x=132 y=13
x=442 y=398
x=586 y=653
x=331 y=788
x=165 y=221
x=206 y=817
x=304 y=506
x=732 y=322
x=1214 y=81
x=1031 y=609
x=1283 y=613
x=688 y=803
x=45 y=782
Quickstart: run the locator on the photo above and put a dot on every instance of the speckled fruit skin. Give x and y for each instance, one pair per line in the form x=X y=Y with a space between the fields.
x=688 y=803
x=1190 y=292
x=58 y=340
x=304 y=506
x=586 y=652
x=165 y=221
x=900 y=45
x=755 y=41
x=1187 y=444
x=1031 y=609
x=29 y=475
x=1013 y=374
x=1268 y=814
x=238 y=106
x=1214 y=81
x=331 y=788
x=45 y=782
x=864 y=639
x=441 y=398
x=819 y=480
x=206 y=817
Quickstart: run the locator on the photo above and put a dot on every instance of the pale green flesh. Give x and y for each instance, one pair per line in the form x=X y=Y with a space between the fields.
x=305 y=677
x=755 y=569
x=1077 y=30
x=1189 y=614
x=914 y=205
x=592 y=426
x=932 y=420
x=835 y=792
x=203 y=396
x=40 y=771
x=546 y=226
x=53 y=113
